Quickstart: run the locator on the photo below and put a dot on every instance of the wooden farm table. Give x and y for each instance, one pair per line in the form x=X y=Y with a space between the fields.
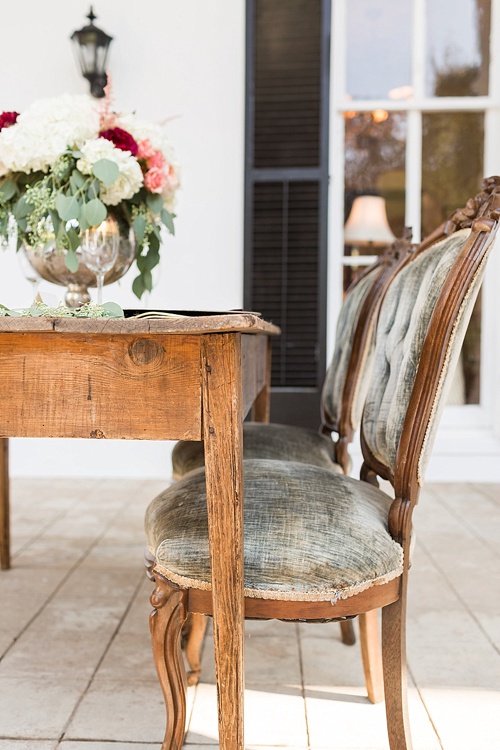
x=186 y=378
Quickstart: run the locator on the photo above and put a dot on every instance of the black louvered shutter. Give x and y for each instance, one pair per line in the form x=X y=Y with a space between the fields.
x=286 y=193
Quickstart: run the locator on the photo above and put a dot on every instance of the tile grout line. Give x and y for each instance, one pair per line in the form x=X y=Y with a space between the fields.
x=462 y=601
x=85 y=553
x=302 y=685
x=113 y=636
x=465 y=524
x=426 y=709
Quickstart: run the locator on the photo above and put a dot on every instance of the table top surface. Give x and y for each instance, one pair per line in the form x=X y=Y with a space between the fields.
x=195 y=323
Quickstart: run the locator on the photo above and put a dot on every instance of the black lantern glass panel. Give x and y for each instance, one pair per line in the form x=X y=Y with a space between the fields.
x=92 y=44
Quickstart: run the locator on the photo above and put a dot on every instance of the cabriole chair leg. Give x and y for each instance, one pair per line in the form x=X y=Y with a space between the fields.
x=166 y=620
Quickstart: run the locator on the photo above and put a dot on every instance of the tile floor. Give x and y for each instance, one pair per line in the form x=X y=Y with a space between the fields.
x=76 y=671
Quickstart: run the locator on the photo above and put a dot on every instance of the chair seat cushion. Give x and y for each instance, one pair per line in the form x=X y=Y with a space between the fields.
x=310 y=534
x=260 y=440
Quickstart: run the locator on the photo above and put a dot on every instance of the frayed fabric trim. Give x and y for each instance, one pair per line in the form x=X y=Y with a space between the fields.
x=332 y=595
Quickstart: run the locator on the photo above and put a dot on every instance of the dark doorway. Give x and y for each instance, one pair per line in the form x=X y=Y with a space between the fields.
x=286 y=193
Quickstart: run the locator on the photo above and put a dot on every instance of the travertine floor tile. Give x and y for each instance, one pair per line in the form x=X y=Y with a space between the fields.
x=130 y=712
x=36 y=708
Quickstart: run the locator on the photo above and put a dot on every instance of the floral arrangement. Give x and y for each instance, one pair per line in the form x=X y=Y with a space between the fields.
x=66 y=162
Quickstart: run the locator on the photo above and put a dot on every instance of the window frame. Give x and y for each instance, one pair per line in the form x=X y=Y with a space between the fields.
x=486 y=415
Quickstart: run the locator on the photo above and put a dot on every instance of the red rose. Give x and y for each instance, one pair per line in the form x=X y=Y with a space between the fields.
x=121 y=139
x=7 y=119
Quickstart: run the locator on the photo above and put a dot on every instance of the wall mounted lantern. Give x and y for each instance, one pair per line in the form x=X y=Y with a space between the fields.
x=92 y=44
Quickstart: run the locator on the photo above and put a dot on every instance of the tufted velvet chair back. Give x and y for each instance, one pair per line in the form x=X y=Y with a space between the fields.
x=420 y=332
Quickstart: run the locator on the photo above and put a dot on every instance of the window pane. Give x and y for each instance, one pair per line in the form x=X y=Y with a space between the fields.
x=458 y=47
x=452 y=171
x=378 y=49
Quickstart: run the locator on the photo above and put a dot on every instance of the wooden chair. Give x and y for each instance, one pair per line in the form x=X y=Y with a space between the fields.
x=320 y=545
x=342 y=401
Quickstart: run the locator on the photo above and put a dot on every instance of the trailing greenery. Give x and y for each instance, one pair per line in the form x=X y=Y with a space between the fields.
x=40 y=309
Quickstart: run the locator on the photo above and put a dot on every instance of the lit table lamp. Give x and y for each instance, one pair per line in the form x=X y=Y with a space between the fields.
x=367 y=226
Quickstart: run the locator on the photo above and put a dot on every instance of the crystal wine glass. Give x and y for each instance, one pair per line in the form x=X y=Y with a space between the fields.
x=100 y=251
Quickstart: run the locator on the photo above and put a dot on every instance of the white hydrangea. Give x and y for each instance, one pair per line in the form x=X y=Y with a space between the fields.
x=142 y=130
x=46 y=130
x=130 y=178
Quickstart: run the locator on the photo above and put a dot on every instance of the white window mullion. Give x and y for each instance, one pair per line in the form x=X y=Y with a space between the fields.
x=413 y=183
x=336 y=170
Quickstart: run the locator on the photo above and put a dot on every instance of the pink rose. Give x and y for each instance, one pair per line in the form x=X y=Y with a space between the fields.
x=156 y=161
x=145 y=149
x=154 y=180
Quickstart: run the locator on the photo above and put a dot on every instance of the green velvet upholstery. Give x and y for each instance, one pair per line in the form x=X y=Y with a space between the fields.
x=403 y=323
x=292 y=443
x=275 y=441
x=309 y=534
x=337 y=371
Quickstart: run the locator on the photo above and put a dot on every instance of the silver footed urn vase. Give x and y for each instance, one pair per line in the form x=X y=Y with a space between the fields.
x=50 y=264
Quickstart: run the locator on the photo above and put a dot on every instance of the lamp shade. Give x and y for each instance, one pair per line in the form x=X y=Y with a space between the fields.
x=367 y=223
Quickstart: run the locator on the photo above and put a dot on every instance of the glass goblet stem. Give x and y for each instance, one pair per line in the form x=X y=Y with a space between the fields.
x=100 y=282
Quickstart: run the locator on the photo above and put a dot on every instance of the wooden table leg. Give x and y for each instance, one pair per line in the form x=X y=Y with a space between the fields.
x=261 y=411
x=4 y=505
x=222 y=431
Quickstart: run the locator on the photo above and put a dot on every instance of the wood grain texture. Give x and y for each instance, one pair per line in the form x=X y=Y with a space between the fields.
x=268 y=609
x=77 y=385
x=262 y=405
x=198 y=626
x=4 y=505
x=169 y=612
x=223 y=436
x=371 y=655
x=395 y=673
x=246 y=322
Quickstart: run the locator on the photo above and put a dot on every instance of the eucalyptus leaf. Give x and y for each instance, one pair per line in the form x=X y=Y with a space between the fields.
x=71 y=261
x=141 y=261
x=152 y=258
x=73 y=239
x=95 y=212
x=106 y=171
x=154 y=202
x=68 y=207
x=77 y=180
x=94 y=188
x=154 y=243
x=168 y=219
x=22 y=208
x=7 y=189
x=138 y=287
x=56 y=221
x=147 y=278
x=114 y=310
x=139 y=225
x=82 y=220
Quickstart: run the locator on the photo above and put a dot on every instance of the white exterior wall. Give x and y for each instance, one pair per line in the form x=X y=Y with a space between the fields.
x=182 y=59
x=185 y=60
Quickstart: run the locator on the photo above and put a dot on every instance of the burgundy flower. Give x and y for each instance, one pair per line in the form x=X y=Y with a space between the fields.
x=7 y=119
x=121 y=139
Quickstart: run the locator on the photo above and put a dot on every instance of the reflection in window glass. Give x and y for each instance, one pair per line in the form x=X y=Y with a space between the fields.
x=375 y=165
x=452 y=172
x=378 y=49
x=375 y=161
x=458 y=47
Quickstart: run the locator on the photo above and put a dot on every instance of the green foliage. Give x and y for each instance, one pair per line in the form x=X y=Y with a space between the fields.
x=106 y=171
x=95 y=212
